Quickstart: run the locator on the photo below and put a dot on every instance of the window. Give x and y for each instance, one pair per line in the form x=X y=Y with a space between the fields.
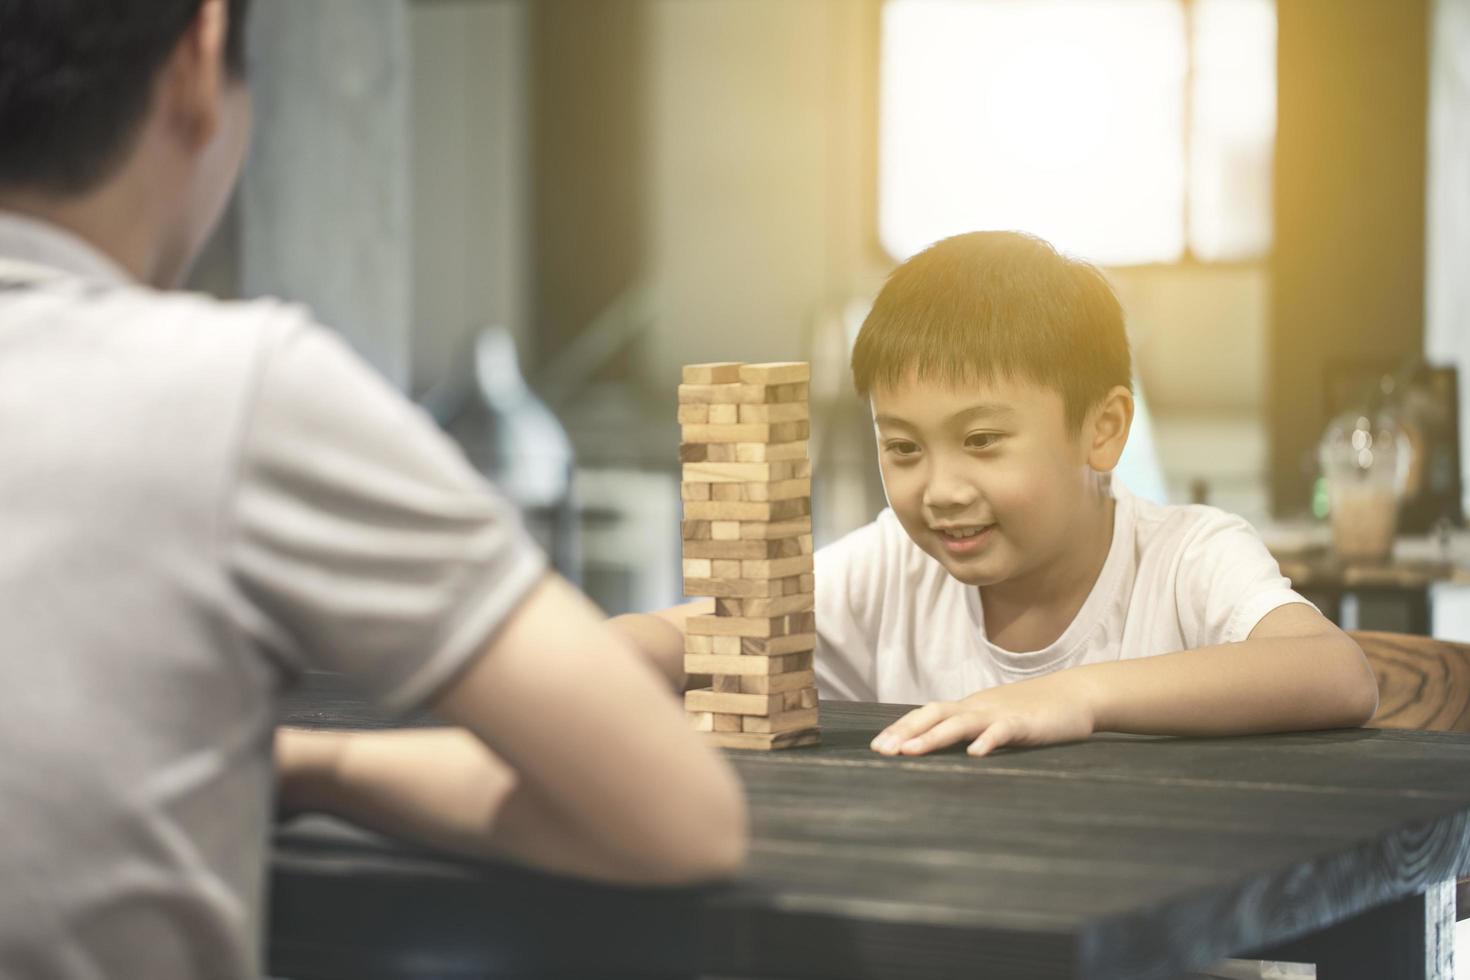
x=1123 y=131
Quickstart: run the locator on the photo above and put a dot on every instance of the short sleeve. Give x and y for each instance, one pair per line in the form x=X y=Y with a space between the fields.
x=358 y=538
x=1227 y=582
x=849 y=604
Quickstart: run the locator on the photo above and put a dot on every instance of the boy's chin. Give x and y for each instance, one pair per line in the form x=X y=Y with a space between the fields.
x=978 y=572
x=975 y=577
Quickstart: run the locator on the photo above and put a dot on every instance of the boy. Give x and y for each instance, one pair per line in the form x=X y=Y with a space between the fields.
x=199 y=501
x=1011 y=584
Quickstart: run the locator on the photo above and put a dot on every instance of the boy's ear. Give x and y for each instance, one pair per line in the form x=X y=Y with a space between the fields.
x=194 y=77
x=1106 y=429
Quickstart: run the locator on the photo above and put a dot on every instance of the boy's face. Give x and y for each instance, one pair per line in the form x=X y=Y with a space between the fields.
x=985 y=477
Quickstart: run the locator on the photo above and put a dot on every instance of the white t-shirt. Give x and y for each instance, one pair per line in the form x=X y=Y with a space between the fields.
x=894 y=626
x=198 y=502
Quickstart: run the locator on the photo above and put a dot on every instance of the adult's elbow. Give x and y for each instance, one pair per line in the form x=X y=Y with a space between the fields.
x=709 y=844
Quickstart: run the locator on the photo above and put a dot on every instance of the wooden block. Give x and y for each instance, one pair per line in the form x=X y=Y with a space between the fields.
x=751 y=432
x=694 y=491
x=757 y=742
x=710 y=452
x=728 y=415
x=780 y=490
x=698 y=567
x=729 y=394
x=760 y=530
x=786 y=469
x=727 y=646
x=726 y=530
x=730 y=684
x=776 y=646
x=774 y=412
x=775 y=606
x=789 y=393
x=735 y=588
x=796 y=680
x=790 y=700
x=774 y=510
x=754 y=432
x=698 y=644
x=694 y=414
x=694 y=530
x=727 y=492
x=702 y=721
x=747 y=666
x=776 y=567
x=781 y=721
x=767 y=452
x=768 y=548
x=808 y=582
x=727 y=723
x=775 y=372
x=713 y=373
x=809 y=695
x=726 y=568
x=766 y=626
x=731 y=704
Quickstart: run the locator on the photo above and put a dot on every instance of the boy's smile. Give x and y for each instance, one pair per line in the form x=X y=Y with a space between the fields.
x=988 y=479
x=960 y=539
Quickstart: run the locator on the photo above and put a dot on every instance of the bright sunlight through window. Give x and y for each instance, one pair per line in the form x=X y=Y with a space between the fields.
x=1123 y=131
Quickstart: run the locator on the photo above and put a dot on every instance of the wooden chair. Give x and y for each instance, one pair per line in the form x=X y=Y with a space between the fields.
x=1423 y=683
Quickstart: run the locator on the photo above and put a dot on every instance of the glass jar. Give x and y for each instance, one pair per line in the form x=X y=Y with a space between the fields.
x=1365 y=461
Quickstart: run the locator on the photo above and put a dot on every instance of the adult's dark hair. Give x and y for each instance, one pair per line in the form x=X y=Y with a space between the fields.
x=996 y=304
x=75 y=81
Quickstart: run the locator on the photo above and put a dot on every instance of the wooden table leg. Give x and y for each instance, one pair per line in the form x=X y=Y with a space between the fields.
x=1410 y=939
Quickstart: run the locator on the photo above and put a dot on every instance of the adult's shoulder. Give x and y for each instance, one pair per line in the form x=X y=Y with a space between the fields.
x=181 y=334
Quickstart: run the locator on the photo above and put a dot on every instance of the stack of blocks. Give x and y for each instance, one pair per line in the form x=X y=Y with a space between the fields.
x=748 y=543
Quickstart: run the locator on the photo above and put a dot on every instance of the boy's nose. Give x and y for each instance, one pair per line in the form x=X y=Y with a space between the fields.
x=947 y=491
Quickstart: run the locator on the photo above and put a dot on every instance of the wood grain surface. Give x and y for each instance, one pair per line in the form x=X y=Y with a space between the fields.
x=1422 y=682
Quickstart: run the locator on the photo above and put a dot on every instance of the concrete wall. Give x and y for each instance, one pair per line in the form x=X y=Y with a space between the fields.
x=469 y=125
x=760 y=172
x=324 y=203
x=388 y=185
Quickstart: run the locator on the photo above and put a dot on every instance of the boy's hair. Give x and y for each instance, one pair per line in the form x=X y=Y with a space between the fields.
x=996 y=304
x=76 y=77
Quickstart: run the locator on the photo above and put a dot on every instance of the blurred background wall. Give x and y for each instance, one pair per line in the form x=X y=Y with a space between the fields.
x=629 y=185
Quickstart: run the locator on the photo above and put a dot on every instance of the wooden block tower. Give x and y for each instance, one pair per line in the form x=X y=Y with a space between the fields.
x=748 y=543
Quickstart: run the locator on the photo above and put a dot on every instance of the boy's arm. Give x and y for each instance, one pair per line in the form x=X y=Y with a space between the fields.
x=659 y=636
x=1296 y=672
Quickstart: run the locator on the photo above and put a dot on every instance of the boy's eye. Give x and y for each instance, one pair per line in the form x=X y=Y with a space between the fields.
x=982 y=440
x=901 y=447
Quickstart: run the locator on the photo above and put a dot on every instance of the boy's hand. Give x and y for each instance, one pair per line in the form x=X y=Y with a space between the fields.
x=1042 y=711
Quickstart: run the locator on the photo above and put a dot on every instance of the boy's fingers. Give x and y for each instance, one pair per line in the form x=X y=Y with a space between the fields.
x=955 y=728
x=914 y=723
x=1003 y=732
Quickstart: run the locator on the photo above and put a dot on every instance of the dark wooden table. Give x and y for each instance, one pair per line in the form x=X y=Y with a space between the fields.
x=1119 y=857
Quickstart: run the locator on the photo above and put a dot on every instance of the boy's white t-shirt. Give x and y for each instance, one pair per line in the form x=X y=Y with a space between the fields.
x=894 y=626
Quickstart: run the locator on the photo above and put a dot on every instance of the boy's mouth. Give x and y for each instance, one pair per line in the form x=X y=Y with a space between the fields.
x=961 y=539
